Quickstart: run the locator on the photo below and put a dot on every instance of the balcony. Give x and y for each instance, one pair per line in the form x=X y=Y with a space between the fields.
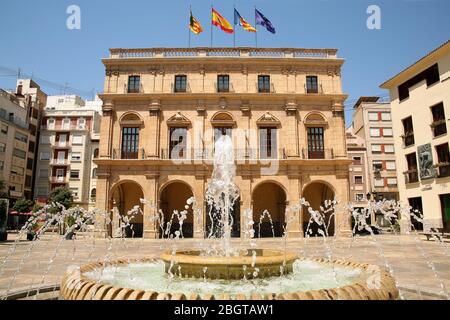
x=439 y=127
x=119 y=154
x=208 y=154
x=59 y=162
x=443 y=169
x=325 y=154
x=127 y=89
x=62 y=145
x=411 y=176
x=80 y=127
x=408 y=139
x=314 y=90
x=59 y=180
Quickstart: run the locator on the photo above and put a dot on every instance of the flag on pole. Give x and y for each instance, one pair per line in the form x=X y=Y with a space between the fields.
x=221 y=22
x=194 y=25
x=241 y=21
x=263 y=21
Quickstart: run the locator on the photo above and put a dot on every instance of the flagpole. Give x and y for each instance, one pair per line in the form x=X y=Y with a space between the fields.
x=211 y=25
x=256 y=33
x=234 y=22
x=189 y=29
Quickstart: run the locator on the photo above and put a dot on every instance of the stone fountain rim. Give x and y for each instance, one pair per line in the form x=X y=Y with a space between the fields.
x=188 y=257
x=76 y=286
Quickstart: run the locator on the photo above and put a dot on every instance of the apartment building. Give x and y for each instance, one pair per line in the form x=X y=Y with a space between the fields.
x=359 y=170
x=68 y=144
x=420 y=105
x=372 y=122
x=20 y=112
x=163 y=109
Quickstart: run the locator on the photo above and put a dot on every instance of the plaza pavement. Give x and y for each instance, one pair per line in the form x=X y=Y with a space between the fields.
x=421 y=268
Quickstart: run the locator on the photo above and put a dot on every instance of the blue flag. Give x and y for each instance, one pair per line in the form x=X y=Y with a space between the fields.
x=263 y=21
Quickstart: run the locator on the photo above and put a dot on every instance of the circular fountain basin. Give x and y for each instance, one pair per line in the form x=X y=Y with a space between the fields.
x=247 y=265
x=146 y=279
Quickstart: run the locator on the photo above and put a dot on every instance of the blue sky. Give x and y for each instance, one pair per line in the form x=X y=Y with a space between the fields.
x=35 y=38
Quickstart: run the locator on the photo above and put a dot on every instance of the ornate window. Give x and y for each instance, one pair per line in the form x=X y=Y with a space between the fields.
x=130 y=143
x=134 y=84
x=312 y=84
x=316 y=143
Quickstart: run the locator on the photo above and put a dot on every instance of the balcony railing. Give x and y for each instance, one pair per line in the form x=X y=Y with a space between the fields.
x=324 y=154
x=80 y=127
x=314 y=90
x=62 y=145
x=443 y=169
x=411 y=176
x=296 y=53
x=59 y=162
x=208 y=154
x=439 y=127
x=58 y=179
x=119 y=154
x=126 y=89
x=408 y=139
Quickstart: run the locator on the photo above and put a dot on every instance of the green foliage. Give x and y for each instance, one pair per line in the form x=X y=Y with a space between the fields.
x=3 y=193
x=23 y=205
x=37 y=207
x=63 y=196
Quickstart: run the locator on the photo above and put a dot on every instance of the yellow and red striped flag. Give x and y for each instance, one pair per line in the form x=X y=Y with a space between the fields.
x=221 y=22
x=194 y=25
x=241 y=21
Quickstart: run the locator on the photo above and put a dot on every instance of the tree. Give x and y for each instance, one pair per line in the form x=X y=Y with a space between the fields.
x=23 y=205
x=3 y=193
x=62 y=196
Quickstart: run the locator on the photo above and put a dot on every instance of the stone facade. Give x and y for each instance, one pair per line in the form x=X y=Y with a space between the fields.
x=266 y=99
x=420 y=104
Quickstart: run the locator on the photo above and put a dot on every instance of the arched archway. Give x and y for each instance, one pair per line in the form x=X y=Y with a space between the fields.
x=317 y=193
x=174 y=197
x=124 y=197
x=269 y=197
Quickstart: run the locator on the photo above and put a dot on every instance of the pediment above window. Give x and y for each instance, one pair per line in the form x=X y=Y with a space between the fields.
x=178 y=120
x=315 y=119
x=268 y=119
x=131 y=119
x=223 y=119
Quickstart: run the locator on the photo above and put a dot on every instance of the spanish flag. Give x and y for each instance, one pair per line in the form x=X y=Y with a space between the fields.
x=241 y=21
x=221 y=22
x=194 y=25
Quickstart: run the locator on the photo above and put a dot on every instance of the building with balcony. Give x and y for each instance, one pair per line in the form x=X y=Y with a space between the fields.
x=359 y=170
x=420 y=106
x=68 y=143
x=20 y=111
x=163 y=109
x=372 y=122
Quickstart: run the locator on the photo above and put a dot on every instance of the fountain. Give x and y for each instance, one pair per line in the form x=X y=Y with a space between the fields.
x=223 y=271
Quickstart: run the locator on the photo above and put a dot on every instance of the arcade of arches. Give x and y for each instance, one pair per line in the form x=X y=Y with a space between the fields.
x=269 y=203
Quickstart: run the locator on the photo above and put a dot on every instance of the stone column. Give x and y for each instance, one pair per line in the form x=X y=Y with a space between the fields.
x=343 y=217
x=246 y=188
x=199 y=187
x=338 y=140
x=106 y=130
x=152 y=143
x=151 y=229
x=102 y=229
x=294 y=228
x=292 y=134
